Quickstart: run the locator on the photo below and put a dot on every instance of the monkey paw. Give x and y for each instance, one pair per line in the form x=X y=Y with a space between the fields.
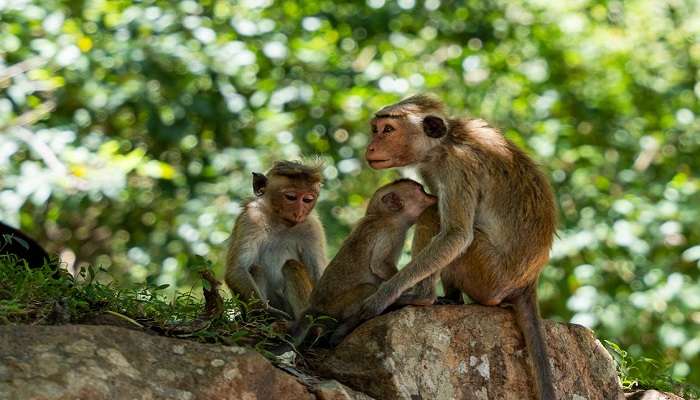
x=373 y=306
x=338 y=335
x=344 y=329
x=277 y=313
x=414 y=300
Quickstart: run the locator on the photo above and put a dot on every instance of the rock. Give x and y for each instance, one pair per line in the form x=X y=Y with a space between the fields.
x=334 y=390
x=102 y=362
x=651 y=395
x=324 y=389
x=465 y=352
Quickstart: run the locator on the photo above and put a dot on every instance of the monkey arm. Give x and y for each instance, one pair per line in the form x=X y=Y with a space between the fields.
x=242 y=252
x=313 y=251
x=241 y=282
x=381 y=262
x=444 y=248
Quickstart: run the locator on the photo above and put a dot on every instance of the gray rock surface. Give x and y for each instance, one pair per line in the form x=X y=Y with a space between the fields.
x=440 y=352
x=334 y=390
x=102 y=362
x=652 y=395
x=465 y=352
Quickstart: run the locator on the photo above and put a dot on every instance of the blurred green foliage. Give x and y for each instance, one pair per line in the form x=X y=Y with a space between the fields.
x=130 y=130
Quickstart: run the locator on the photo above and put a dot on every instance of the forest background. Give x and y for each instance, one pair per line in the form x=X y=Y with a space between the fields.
x=130 y=129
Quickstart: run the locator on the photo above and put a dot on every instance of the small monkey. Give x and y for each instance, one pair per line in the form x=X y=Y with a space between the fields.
x=492 y=230
x=277 y=248
x=369 y=255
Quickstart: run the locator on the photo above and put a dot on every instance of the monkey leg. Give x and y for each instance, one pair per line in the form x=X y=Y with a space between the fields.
x=486 y=274
x=350 y=302
x=427 y=226
x=297 y=287
x=481 y=272
x=346 y=307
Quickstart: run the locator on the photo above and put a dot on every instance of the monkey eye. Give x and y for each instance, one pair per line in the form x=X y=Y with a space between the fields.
x=308 y=199
x=290 y=196
x=388 y=129
x=374 y=128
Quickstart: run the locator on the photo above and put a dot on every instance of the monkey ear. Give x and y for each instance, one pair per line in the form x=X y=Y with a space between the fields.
x=393 y=201
x=259 y=183
x=434 y=126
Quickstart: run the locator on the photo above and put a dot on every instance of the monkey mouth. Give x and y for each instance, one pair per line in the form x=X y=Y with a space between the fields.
x=377 y=164
x=290 y=222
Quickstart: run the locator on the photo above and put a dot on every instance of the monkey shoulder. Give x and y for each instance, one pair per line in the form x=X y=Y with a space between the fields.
x=251 y=223
x=475 y=140
x=353 y=255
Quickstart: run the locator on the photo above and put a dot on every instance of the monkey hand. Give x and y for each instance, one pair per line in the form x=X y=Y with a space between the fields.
x=343 y=330
x=277 y=313
x=377 y=302
x=373 y=306
x=410 y=299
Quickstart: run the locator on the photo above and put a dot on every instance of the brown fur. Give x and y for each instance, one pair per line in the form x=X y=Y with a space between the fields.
x=306 y=173
x=277 y=248
x=369 y=255
x=494 y=225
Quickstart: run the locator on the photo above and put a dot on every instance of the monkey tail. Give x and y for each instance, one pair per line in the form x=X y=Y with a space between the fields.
x=528 y=318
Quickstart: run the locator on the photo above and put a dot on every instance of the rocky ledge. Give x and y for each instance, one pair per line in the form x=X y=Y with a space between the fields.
x=441 y=352
x=466 y=352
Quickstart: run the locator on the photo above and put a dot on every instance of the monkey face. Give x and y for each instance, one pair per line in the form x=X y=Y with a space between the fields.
x=293 y=204
x=404 y=197
x=417 y=200
x=392 y=143
x=291 y=197
x=398 y=141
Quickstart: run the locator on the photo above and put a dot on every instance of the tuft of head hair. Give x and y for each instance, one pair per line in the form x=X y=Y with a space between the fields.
x=309 y=171
x=416 y=104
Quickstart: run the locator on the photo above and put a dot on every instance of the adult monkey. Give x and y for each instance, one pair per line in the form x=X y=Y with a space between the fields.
x=493 y=228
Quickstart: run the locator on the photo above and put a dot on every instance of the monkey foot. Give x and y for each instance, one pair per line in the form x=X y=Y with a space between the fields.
x=414 y=300
x=448 y=301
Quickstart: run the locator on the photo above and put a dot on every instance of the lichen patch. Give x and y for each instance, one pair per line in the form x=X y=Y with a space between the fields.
x=462 y=367
x=179 y=349
x=116 y=358
x=82 y=346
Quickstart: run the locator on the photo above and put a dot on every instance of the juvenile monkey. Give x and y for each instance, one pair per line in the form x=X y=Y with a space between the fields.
x=493 y=227
x=369 y=255
x=277 y=248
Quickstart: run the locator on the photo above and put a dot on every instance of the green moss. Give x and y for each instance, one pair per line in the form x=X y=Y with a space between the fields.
x=33 y=295
x=646 y=373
